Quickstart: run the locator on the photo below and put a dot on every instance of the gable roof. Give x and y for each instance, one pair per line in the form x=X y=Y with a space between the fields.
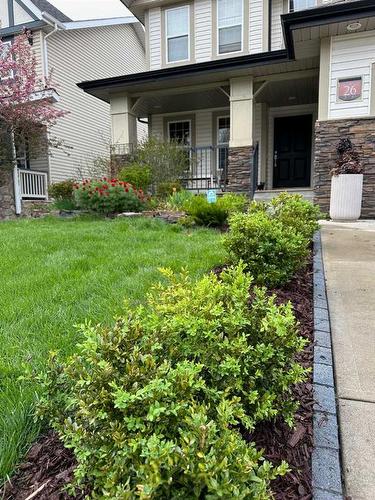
x=46 y=6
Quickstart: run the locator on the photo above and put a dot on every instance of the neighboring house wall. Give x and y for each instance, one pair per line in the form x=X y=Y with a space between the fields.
x=87 y=54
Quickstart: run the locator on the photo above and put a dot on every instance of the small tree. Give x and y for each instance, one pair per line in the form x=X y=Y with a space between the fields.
x=26 y=114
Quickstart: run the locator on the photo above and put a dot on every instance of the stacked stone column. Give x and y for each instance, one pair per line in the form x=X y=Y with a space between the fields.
x=7 y=206
x=327 y=135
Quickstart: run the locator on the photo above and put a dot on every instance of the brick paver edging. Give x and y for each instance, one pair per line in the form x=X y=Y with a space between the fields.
x=326 y=466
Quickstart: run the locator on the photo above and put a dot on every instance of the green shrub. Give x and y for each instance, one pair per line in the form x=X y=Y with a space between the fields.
x=297 y=213
x=167 y=160
x=151 y=407
x=178 y=199
x=108 y=196
x=205 y=213
x=62 y=190
x=233 y=203
x=138 y=176
x=165 y=189
x=273 y=252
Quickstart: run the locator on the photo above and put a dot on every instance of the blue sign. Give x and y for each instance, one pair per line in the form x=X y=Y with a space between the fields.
x=211 y=196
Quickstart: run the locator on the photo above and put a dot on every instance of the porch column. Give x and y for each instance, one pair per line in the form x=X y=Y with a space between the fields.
x=240 y=156
x=124 y=121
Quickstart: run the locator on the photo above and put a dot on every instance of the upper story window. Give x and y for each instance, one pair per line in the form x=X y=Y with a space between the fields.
x=177 y=32
x=301 y=4
x=229 y=25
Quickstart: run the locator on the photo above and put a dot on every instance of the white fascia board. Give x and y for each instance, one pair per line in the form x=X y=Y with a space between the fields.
x=30 y=5
x=96 y=23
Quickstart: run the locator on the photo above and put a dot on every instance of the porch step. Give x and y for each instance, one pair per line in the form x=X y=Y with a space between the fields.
x=268 y=194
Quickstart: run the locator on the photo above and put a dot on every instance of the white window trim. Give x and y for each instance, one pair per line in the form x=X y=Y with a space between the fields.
x=11 y=73
x=181 y=121
x=218 y=31
x=187 y=6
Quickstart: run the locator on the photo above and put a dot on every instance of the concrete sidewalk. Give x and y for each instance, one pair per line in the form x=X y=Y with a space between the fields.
x=349 y=260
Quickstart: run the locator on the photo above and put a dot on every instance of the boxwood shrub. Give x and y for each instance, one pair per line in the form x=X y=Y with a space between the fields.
x=272 y=251
x=152 y=406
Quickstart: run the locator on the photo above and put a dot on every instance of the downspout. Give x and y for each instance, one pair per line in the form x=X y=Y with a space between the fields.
x=57 y=26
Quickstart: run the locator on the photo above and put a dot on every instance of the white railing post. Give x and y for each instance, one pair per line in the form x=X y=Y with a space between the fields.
x=17 y=191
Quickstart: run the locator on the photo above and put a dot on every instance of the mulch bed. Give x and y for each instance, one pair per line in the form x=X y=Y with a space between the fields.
x=49 y=467
x=278 y=441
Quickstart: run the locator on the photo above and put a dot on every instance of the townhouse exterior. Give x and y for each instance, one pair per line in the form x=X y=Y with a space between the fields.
x=74 y=51
x=258 y=91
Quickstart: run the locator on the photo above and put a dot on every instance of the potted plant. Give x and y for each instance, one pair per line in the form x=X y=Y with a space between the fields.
x=347 y=183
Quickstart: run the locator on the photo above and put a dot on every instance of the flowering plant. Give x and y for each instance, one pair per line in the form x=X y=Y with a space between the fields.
x=26 y=112
x=108 y=196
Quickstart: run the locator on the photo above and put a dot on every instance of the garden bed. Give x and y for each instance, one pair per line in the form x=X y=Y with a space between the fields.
x=49 y=467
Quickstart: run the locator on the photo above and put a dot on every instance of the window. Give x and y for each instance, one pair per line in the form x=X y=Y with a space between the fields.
x=22 y=152
x=229 y=24
x=177 y=33
x=223 y=134
x=301 y=4
x=3 y=54
x=180 y=132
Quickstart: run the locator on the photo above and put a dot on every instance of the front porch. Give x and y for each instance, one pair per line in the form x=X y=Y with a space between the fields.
x=248 y=134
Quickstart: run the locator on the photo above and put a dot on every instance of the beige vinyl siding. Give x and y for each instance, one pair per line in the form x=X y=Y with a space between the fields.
x=38 y=37
x=351 y=56
x=87 y=54
x=276 y=29
x=20 y=16
x=4 y=20
x=256 y=23
x=157 y=126
x=203 y=30
x=154 y=33
x=41 y=164
x=203 y=130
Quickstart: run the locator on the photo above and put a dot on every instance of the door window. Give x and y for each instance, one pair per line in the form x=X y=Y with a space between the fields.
x=223 y=134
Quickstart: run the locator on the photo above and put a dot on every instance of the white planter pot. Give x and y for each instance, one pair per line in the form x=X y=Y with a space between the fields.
x=346 y=197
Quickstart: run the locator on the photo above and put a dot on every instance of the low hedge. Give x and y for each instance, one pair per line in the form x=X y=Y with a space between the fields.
x=152 y=406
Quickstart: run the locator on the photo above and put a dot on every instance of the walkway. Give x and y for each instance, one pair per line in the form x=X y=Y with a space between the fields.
x=349 y=259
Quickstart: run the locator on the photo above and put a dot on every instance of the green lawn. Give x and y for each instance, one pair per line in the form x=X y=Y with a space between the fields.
x=55 y=274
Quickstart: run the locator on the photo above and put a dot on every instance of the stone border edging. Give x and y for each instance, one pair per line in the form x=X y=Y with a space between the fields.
x=326 y=465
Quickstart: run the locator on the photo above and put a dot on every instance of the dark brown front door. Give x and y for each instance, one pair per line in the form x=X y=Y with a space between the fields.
x=292 y=152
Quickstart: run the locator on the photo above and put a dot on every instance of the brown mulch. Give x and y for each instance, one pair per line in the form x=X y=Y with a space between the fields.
x=49 y=467
x=278 y=441
x=47 y=470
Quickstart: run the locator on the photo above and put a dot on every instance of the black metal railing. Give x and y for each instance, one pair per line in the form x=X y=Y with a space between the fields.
x=208 y=168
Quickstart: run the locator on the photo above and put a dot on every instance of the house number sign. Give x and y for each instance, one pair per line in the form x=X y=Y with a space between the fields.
x=350 y=89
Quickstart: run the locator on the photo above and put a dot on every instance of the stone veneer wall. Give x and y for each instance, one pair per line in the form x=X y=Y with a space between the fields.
x=7 y=207
x=240 y=166
x=327 y=134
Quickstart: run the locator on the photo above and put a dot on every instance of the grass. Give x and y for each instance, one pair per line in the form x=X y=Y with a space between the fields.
x=56 y=273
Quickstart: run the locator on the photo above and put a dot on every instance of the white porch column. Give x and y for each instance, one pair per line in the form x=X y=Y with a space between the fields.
x=124 y=122
x=240 y=156
x=241 y=112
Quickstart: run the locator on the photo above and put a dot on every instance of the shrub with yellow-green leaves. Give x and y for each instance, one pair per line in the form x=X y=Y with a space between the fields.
x=152 y=406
